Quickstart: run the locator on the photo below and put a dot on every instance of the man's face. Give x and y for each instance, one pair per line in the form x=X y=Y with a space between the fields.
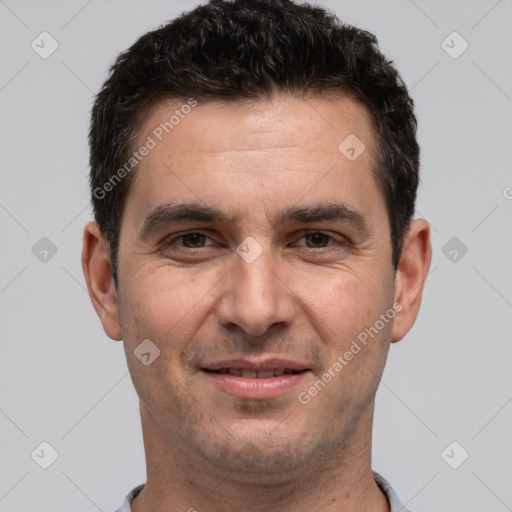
x=274 y=283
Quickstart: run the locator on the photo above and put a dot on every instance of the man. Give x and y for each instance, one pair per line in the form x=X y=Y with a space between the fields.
x=254 y=170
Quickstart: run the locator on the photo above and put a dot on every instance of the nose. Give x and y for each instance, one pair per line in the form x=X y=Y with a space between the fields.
x=256 y=296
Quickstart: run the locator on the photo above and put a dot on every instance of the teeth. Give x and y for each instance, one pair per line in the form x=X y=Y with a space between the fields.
x=251 y=374
x=266 y=374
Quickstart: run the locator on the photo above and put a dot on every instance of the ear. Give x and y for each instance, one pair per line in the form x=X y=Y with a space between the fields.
x=410 y=277
x=100 y=283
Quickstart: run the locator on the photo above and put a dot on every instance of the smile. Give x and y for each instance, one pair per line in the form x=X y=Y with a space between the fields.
x=251 y=374
x=247 y=379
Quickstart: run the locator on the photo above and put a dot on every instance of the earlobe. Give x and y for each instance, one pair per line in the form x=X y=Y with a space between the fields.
x=98 y=276
x=410 y=276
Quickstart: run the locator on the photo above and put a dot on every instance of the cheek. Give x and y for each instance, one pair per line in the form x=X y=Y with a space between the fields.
x=344 y=306
x=158 y=304
x=167 y=311
x=355 y=350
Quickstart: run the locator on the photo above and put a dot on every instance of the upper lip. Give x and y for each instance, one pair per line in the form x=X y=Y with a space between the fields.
x=262 y=365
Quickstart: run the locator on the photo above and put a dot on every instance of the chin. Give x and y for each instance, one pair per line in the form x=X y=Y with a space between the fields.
x=266 y=455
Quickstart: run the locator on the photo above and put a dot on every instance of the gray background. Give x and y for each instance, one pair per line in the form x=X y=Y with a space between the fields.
x=63 y=381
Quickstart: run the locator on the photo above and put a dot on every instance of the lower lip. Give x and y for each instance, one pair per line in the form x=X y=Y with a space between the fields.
x=256 y=388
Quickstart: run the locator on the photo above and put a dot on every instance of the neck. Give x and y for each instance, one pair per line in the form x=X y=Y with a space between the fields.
x=340 y=480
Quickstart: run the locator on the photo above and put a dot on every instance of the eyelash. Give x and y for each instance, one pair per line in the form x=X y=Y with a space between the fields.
x=173 y=241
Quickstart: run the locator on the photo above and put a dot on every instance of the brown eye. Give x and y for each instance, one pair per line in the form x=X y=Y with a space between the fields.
x=316 y=240
x=193 y=240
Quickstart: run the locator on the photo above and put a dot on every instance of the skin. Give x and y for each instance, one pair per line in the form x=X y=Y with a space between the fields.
x=304 y=299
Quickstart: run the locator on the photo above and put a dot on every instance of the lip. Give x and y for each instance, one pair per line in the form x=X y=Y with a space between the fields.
x=256 y=388
x=254 y=365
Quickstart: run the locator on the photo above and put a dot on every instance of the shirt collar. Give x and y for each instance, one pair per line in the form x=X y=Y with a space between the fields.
x=394 y=503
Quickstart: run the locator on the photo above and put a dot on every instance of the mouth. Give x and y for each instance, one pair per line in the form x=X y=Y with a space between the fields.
x=255 y=380
x=253 y=374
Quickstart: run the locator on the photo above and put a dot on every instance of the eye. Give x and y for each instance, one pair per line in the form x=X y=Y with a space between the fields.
x=316 y=240
x=192 y=240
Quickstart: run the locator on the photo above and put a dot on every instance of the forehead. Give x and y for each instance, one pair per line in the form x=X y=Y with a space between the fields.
x=314 y=124
x=285 y=146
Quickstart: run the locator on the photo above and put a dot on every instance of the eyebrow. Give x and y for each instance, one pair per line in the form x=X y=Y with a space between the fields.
x=166 y=214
